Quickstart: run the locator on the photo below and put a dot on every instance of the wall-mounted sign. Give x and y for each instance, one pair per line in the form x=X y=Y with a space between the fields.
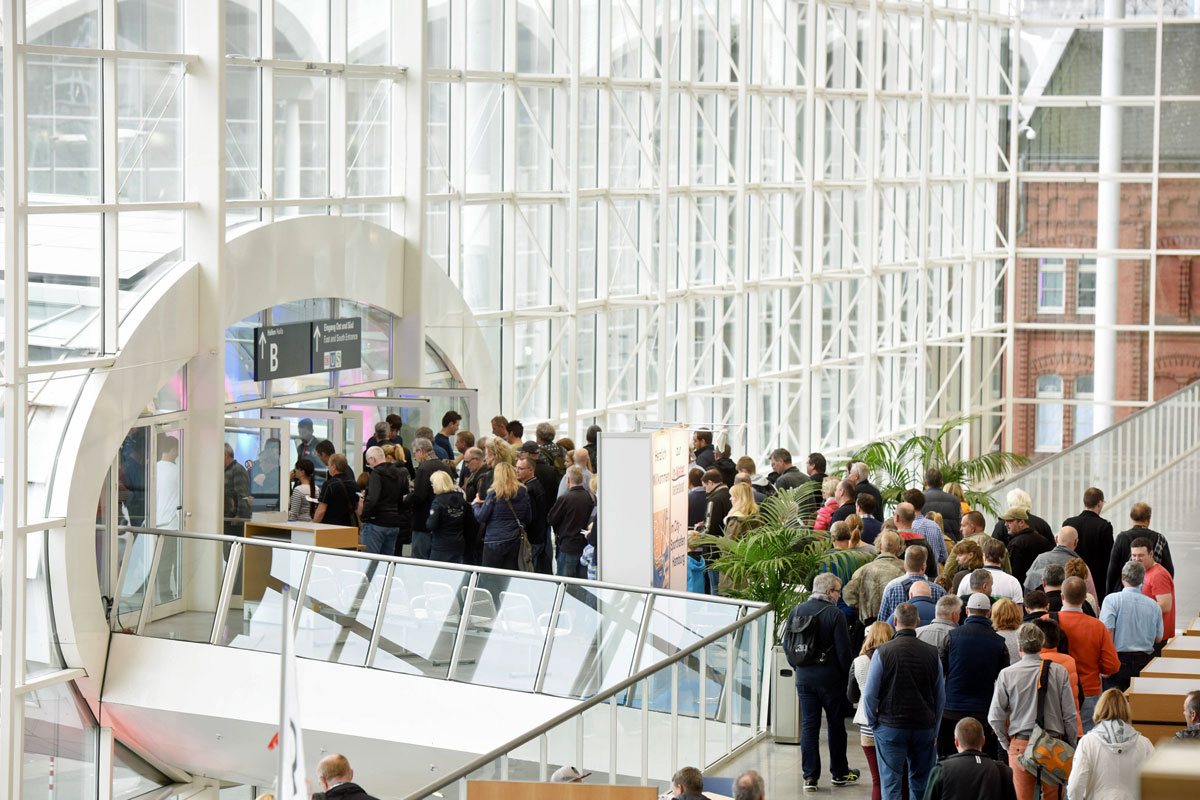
x=336 y=344
x=303 y=348
x=282 y=351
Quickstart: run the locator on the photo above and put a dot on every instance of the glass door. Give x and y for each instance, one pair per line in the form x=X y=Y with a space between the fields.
x=308 y=426
x=371 y=410
x=256 y=474
x=439 y=401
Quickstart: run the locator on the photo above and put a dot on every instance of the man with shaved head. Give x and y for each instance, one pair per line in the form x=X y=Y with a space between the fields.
x=1064 y=551
x=970 y=774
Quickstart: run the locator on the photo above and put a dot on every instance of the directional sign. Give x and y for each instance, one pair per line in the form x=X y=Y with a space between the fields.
x=336 y=344
x=282 y=351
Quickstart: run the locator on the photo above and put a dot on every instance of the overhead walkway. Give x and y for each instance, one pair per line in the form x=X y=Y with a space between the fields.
x=419 y=668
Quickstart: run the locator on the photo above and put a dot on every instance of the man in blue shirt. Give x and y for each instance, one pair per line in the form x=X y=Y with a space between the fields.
x=899 y=589
x=1135 y=622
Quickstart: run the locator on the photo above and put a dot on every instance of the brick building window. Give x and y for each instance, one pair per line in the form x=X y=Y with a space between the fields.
x=1083 y=413
x=1049 y=414
x=1085 y=287
x=1052 y=281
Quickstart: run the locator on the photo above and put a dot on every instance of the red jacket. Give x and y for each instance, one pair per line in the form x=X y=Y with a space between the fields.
x=1091 y=645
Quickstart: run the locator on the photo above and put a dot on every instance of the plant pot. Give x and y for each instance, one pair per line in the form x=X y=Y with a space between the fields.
x=785 y=702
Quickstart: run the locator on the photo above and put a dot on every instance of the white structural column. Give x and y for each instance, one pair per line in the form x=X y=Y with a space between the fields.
x=12 y=554
x=204 y=165
x=1108 y=219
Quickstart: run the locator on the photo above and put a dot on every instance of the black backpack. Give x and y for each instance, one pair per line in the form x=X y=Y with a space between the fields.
x=801 y=640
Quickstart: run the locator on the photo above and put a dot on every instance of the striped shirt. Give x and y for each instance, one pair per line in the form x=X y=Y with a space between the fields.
x=897 y=593
x=933 y=534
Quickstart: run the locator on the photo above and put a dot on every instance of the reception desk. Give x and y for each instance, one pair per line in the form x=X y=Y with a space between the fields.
x=256 y=561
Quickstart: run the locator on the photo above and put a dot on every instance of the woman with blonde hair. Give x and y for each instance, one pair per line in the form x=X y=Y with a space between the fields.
x=743 y=515
x=1006 y=618
x=825 y=514
x=498 y=452
x=1109 y=757
x=447 y=516
x=878 y=633
x=957 y=490
x=503 y=516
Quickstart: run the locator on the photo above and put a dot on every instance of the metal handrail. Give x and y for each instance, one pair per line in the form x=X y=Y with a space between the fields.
x=584 y=706
x=416 y=562
x=1113 y=429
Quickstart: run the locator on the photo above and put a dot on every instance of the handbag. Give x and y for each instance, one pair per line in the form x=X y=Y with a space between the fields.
x=525 y=549
x=1046 y=757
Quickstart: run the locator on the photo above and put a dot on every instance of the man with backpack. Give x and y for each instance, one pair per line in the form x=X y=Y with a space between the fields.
x=816 y=641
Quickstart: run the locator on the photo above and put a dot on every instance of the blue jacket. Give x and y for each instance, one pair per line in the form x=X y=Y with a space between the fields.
x=975 y=654
x=494 y=514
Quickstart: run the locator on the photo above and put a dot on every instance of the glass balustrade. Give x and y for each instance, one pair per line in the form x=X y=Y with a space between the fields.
x=491 y=628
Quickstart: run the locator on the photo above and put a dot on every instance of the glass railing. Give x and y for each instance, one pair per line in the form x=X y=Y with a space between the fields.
x=632 y=743
x=511 y=630
x=1120 y=460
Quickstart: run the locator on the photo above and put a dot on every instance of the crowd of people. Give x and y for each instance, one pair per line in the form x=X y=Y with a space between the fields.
x=450 y=496
x=962 y=647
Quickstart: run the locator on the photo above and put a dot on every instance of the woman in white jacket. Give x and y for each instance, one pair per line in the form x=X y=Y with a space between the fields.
x=1108 y=758
x=877 y=634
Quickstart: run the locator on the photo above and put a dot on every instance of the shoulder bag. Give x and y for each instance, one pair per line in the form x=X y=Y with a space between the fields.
x=1046 y=757
x=525 y=549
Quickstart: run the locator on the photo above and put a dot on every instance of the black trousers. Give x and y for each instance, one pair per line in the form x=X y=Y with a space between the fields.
x=1132 y=664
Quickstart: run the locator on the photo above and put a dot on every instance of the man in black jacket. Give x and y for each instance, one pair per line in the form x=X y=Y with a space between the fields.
x=539 y=508
x=944 y=503
x=387 y=485
x=1095 y=537
x=1140 y=516
x=337 y=779
x=860 y=473
x=421 y=497
x=570 y=515
x=705 y=453
x=904 y=699
x=971 y=774
x=545 y=471
x=822 y=685
x=479 y=477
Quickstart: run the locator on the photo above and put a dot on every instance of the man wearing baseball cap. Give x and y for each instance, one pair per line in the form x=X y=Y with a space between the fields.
x=1024 y=543
x=975 y=654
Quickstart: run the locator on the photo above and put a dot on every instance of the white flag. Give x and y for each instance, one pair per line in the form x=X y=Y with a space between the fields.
x=292 y=784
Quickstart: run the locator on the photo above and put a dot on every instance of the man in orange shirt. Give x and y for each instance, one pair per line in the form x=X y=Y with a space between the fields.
x=1089 y=643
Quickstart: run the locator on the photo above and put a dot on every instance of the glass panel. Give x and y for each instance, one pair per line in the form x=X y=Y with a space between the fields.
x=65 y=255
x=135 y=552
x=149 y=25
x=254 y=616
x=301 y=136
x=149 y=244
x=46 y=24
x=149 y=125
x=302 y=29
x=197 y=568
x=241 y=27
x=376 y=326
x=368 y=25
x=507 y=622
x=420 y=621
x=239 y=361
x=41 y=650
x=339 y=610
x=132 y=776
x=104 y=517
x=368 y=140
x=59 y=745
x=63 y=129
x=171 y=397
x=594 y=640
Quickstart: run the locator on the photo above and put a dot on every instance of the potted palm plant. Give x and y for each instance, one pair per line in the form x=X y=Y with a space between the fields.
x=769 y=563
x=899 y=465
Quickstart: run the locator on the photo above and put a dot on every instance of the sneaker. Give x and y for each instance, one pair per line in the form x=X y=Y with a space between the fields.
x=810 y=785
x=849 y=779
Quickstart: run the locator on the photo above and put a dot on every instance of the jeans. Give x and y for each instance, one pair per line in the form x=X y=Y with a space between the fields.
x=569 y=566
x=422 y=543
x=894 y=746
x=1132 y=664
x=378 y=539
x=502 y=555
x=814 y=700
x=1086 y=709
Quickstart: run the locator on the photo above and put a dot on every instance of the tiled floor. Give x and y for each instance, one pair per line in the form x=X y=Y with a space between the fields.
x=779 y=765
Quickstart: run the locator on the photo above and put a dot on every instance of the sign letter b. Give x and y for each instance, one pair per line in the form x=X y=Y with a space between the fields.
x=274 y=357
